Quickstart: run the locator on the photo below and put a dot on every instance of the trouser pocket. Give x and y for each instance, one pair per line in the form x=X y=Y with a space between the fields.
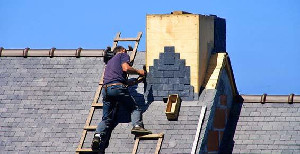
x=116 y=91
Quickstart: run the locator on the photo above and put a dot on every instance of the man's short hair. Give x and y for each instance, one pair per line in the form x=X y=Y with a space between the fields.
x=118 y=49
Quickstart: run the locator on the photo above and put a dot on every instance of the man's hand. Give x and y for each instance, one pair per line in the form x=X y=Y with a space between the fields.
x=141 y=72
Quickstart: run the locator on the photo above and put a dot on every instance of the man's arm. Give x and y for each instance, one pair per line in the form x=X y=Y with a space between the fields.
x=130 y=70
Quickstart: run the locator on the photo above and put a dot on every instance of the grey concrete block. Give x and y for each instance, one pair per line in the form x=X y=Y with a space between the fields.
x=167 y=87
x=158 y=74
x=163 y=81
x=163 y=94
x=184 y=80
x=169 y=60
x=179 y=74
x=177 y=56
x=179 y=87
x=157 y=87
x=174 y=67
x=174 y=80
x=162 y=67
x=168 y=74
x=169 y=49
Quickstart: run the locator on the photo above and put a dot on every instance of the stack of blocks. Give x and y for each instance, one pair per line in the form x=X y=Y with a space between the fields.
x=169 y=75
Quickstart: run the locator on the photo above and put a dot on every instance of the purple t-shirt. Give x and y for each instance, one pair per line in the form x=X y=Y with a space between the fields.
x=113 y=71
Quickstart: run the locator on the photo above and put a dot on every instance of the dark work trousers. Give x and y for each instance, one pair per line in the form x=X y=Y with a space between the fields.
x=112 y=98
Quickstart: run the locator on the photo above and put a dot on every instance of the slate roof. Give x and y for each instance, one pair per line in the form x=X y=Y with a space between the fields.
x=264 y=128
x=45 y=103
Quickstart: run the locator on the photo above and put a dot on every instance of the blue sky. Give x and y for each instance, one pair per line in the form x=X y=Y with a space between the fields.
x=263 y=36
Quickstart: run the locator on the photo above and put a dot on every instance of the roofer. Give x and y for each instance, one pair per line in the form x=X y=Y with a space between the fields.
x=115 y=92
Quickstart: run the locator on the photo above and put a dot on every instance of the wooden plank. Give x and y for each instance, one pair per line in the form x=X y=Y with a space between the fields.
x=85 y=150
x=196 y=140
x=90 y=116
x=158 y=146
x=90 y=127
x=127 y=39
x=97 y=105
x=97 y=94
x=101 y=78
x=133 y=53
x=82 y=139
x=151 y=136
x=98 y=91
x=136 y=144
x=116 y=43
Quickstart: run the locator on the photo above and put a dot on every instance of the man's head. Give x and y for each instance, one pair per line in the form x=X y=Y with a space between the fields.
x=119 y=49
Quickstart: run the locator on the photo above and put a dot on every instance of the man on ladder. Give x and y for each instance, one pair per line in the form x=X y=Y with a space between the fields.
x=115 y=91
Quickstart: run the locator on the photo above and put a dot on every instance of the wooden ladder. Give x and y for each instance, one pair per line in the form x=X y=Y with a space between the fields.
x=159 y=137
x=98 y=105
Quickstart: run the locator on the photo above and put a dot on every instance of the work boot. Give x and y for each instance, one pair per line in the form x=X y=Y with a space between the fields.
x=96 y=143
x=138 y=130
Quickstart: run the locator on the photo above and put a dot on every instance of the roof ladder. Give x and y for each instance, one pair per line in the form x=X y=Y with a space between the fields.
x=98 y=105
x=159 y=137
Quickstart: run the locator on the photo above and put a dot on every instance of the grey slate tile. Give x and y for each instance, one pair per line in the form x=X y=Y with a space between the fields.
x=264 y=125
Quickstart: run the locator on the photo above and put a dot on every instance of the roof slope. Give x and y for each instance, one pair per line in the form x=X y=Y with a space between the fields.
x=266 y=128
x=178 y=138
x=45 y=102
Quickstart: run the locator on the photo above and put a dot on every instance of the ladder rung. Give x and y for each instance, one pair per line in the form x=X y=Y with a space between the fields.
x=90 y=127
x=86 y=150
x=151 y=136
x=97 y=105
x=126 y=39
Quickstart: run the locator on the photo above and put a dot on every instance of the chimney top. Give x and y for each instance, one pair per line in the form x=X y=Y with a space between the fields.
x=179 y=12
